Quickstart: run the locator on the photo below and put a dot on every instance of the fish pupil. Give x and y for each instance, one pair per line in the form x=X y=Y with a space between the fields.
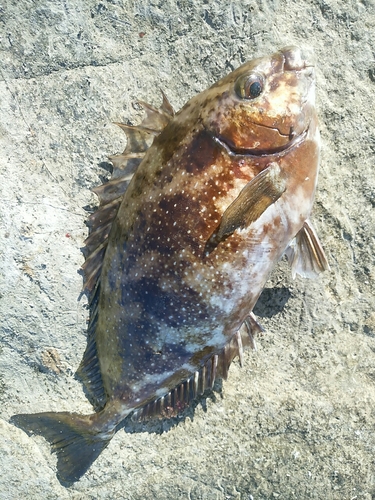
x=255 y=89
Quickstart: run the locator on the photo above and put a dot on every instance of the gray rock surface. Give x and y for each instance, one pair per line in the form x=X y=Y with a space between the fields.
x=298 y=420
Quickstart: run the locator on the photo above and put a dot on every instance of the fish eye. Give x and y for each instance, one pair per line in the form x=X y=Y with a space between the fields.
x=249 y=86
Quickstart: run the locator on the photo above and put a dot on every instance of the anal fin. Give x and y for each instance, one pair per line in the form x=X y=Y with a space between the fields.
x=215 y=367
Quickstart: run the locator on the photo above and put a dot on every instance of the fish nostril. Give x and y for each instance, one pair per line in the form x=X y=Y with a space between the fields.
x=295 y=59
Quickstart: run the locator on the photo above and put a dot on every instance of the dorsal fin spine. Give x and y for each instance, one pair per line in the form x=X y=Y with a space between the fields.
x=110 y=194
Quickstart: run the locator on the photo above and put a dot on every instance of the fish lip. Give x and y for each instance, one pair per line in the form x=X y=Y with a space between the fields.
x=297 y=58
x=279 y=151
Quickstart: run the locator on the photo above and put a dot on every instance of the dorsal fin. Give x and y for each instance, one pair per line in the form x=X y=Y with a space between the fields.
x=216 y=367
x=89 y=370
x=110 y=194
x=139 y=139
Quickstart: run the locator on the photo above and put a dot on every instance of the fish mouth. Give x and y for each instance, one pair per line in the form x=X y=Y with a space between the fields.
x=297 y=59
x=277 y=151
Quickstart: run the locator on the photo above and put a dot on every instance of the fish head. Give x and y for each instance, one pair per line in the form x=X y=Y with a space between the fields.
x=265 y=106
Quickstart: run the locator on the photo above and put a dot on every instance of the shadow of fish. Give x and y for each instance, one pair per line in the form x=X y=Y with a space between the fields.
x=200 y=207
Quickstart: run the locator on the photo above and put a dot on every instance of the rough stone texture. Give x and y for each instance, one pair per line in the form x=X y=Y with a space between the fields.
x=297 y=421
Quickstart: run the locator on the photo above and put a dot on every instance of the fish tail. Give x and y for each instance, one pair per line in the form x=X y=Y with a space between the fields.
x=76 y=439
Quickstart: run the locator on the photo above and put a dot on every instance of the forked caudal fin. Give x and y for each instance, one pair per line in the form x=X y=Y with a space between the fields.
x=74 y=438
x=78 y=440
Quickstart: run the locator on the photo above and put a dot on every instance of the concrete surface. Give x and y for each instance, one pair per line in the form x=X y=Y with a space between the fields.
x=298 y=420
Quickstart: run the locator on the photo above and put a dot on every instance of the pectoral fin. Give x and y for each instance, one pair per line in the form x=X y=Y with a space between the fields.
x=305 y=253
x=253 y=200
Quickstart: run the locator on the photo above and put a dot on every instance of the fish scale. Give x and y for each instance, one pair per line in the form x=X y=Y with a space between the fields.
x=200 y=207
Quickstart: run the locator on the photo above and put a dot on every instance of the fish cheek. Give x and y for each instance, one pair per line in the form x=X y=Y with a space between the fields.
x=243 y=134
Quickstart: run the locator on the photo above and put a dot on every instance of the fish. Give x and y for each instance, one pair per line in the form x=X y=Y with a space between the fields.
x=200 y=207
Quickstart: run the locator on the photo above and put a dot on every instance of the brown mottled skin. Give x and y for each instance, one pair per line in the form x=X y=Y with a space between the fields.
x=171 y=295
x=157 y=316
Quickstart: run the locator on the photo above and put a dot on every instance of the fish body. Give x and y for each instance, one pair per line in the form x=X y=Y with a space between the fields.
x=179 y=255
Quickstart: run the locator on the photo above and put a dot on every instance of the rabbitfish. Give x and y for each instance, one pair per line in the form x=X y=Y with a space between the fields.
x=201 y=206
